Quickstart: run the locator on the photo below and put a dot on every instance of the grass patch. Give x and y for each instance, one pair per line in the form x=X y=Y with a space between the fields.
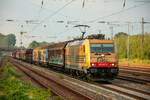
x=134 y=61
x=12 y=88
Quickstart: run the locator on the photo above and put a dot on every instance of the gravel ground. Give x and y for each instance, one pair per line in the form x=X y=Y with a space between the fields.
x=142 y=87
x=84 y=86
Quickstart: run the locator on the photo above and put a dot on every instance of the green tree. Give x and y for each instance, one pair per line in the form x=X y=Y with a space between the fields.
x=43 y=43
x=1 y=35
x=33 y=44
x=146 y=45
x=2 y=40
x=7 y=40
x=11 y=39
x=121 y=34
x=121 y=44
x=138 y=49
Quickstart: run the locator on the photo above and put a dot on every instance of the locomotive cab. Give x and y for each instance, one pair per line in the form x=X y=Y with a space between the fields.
x=103 y=59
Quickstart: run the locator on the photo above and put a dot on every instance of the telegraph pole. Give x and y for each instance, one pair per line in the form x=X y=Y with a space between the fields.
x=112 y=32
x=128 y=44
x=142 y=39
x=142 y=30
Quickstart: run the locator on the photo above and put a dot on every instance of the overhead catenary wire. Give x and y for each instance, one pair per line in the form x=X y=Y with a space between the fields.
x=47 y=9
x=51 y=15
x=42 y=3
x=115 y=13
x=83 y=3
x=124 y=3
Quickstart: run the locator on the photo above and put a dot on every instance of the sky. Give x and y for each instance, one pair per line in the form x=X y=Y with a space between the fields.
x=54 y=20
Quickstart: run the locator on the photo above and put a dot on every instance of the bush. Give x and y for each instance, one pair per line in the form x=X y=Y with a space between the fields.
x=14 y=89
x=138 y=49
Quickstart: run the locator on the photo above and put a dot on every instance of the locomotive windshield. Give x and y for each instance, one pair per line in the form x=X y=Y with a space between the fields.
x=102 y=48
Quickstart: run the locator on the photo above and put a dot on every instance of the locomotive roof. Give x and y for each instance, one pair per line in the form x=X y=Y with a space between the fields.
x=100 y=41
x=57 y=46
x=61 y=45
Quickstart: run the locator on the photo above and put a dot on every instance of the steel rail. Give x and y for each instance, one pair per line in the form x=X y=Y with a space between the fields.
x=125 y=88
x=74 y=94
x=132 y=79
x=136 y=69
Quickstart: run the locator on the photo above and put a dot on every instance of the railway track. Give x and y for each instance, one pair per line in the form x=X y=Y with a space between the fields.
x=133 y=75
x=137 y=94
x=114 y=88
x=132 y=89
x=133 y=79
x=135 y=72
x=47 y=82
x=136 y=69
x=125 y=90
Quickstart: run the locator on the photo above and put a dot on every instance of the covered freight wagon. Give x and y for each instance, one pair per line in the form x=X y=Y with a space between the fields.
x=40 y=55
x=56 y=53
x=29 y=55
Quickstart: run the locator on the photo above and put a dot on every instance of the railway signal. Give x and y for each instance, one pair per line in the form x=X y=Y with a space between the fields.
x=21 y=34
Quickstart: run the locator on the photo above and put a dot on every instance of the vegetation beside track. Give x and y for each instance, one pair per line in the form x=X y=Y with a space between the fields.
x=139 y=48
x=135 y=62
x=12 y=88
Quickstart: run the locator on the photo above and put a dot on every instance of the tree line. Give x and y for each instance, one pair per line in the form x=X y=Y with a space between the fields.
x=8 y=41
x=35 y=44
x=139 y=45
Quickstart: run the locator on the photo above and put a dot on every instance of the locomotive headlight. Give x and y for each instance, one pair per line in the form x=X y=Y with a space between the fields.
x=93 y=64
x=113 y=64
x=102 y=55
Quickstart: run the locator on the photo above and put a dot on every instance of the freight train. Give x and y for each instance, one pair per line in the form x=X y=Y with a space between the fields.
x=92 y=58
